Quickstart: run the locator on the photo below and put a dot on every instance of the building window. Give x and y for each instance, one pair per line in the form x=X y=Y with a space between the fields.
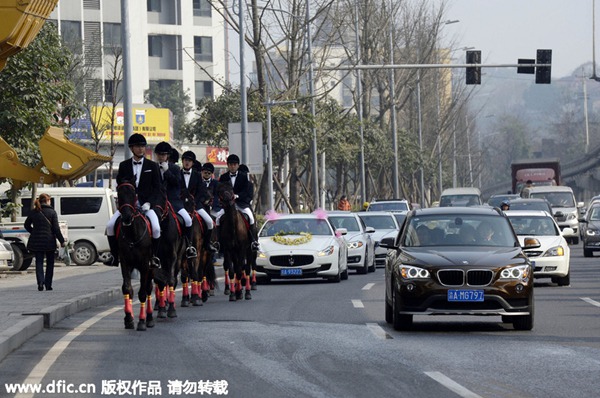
x=202 y=8
x=112 y=35
x=203 y=49
x=154 y=46
x=154 y=5
x=91 y=4
x=204 y=89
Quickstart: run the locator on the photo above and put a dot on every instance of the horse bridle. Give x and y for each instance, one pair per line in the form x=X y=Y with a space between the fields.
x=136 y=213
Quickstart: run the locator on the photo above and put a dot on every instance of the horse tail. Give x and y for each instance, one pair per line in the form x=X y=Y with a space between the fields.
x=211 y=275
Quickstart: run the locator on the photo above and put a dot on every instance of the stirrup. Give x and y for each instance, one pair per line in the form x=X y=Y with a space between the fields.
x=212 y=247
x=111 y=261
x=155 y=263
x=255 y=246
x=191 y=252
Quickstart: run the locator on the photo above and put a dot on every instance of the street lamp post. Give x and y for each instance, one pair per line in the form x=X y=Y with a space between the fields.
x=270 y=104
x=359 y=109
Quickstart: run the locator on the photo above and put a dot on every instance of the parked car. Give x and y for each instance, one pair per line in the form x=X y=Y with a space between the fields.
x=496 y=200
x=552 y=258
x=361 y=247
x=591 y=231
x=385 y=225
x=463 y=274
x=302 y=246
x=389 y=205
x=6 y=253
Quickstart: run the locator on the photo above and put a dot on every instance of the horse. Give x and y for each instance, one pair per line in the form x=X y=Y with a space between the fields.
x=134 y=238
x=199 y=270
x=171 y=251
x=235 y=245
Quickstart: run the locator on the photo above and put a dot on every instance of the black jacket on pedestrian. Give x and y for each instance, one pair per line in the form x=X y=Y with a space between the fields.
x=243 y=188
x=43 y=230
x=150 y=188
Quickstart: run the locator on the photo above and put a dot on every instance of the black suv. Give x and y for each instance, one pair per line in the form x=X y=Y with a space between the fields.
x=458 y=261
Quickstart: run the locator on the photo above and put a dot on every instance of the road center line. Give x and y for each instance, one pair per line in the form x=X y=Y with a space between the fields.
x=590 y=301
x=452 y=385
x=378 y=331
x=358 y=304
x=368 y=286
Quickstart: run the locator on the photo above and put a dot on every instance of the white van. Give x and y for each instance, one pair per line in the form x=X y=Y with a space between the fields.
x=86 y=212
x=565 y=208
x=463 y=196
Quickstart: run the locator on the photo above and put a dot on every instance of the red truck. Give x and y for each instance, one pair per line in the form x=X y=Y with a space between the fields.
x=538 y=171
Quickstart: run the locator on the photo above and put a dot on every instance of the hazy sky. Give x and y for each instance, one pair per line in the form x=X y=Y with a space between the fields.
x=505 y=30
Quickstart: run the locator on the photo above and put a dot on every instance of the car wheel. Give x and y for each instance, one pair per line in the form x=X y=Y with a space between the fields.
x=524 y=322
x=372 y=267
x=564 y=280
x=365 y=268
x=344 y=276
x=399 y=321
x=389 y=309
x=21 y=261
x=588 y=253
x=575 y=241
x=337 y=278
x=84 y=253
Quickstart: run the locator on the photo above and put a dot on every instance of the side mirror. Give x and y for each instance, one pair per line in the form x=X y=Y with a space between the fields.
x=369 y=230
x=567 y=231
x=533 y=243
x=388 y=243
x=341 y=231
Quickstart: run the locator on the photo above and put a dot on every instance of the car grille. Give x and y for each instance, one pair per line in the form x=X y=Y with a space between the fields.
x=534 y=253
x=456 y=277
x=291 y=260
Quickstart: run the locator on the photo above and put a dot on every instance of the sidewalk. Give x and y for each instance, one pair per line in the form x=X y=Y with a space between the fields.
x=25 y=311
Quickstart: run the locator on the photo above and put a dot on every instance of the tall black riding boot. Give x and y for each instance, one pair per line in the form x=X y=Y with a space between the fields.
x=254 y=242
x=113 y=260
x=208 y=245
x=190 y=251
x=155 y=262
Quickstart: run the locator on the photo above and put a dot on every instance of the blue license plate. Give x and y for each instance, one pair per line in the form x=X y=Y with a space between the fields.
x=291 y=271
x=465 y=295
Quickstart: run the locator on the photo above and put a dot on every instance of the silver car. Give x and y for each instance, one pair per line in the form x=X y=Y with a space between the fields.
x=361 y=246
x=6 y=254
x=385 y=225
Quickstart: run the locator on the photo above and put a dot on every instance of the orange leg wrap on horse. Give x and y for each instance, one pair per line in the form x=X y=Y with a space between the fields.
x=186 y=291
x=253 y=276
x=149 y=306
x=171 y=295
x=239 y=285
x=226 y=278
x=233 y=283
x=128 y=305
x=194 y=288
x=161 y=299
x=248 y=283
x=142 y=311
x=204 y=284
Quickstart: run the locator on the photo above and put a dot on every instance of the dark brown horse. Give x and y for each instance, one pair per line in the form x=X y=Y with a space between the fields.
x=235 y=245
x=197 y=271
x=134 y=236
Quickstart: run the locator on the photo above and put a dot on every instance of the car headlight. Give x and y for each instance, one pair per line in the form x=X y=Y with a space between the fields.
x=261 y=254
x=410 y=272
x=355 y=245
x=554 y=251
x=571 y=216
x=592 y=232
x=328 y=251
x=520 y=272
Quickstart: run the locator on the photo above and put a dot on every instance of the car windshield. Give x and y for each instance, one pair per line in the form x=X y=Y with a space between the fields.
x=458 y=230
x=349 y=223
x=388 y=206
x=594 y=214
x=556 y=199
x=379 y=222
x=533 y=225
x=295 y=227
x=459 y=200
x=400 y=217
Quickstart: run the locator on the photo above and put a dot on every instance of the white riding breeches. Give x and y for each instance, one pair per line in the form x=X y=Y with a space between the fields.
x=207 y=218
x=246 y=211
x=187 y=219
x=150 y=214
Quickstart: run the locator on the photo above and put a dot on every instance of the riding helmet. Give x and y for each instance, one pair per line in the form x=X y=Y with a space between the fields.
x=136 y=139
x=244 y=168
x=163 y=148
x=208 y=166
x=174 y=155
x=233 y=158
x=189 y=155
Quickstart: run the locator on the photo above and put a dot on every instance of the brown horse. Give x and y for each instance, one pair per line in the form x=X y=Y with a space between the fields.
x=134 y=237
x=198 y=271
x=235 y=244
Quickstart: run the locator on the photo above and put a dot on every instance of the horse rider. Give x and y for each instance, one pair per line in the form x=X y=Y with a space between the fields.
x=211 y=184
x=173 y=184
x=192 y=181
x=144 y=174
x=243 y=192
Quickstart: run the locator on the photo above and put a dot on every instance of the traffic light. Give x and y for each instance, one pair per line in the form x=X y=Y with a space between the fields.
x=473 y=73
x=543 y=73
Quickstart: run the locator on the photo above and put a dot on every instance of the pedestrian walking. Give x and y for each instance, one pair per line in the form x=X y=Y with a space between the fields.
x=343 y=204
x=42 y=225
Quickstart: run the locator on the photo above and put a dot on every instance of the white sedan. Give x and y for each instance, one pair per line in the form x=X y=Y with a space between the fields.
x=6 y=254
x=361 y=247
x=301 y=246
x=552 y=258
x=385 y=225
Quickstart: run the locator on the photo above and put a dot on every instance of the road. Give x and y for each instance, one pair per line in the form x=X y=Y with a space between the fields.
x=319 y=339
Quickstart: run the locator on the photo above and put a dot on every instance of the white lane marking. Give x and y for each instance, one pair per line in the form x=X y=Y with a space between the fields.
x=452 y=385
x=358 y=304
x=40 y=370
x=368 y=286
x=378 y=331
x=590 y=301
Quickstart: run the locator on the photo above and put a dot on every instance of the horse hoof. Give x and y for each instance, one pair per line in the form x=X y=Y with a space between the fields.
x=204 y=296
x=211 y=292
x=162 y=312
x=253 y=286
x=226 y=291
x=141 y=326
x=150 y=322
x=238 y=295
x=248 y=296
x=197 y=302
x=129 y=322
x=232 y=297
x=184 y=303
x=172 y=313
